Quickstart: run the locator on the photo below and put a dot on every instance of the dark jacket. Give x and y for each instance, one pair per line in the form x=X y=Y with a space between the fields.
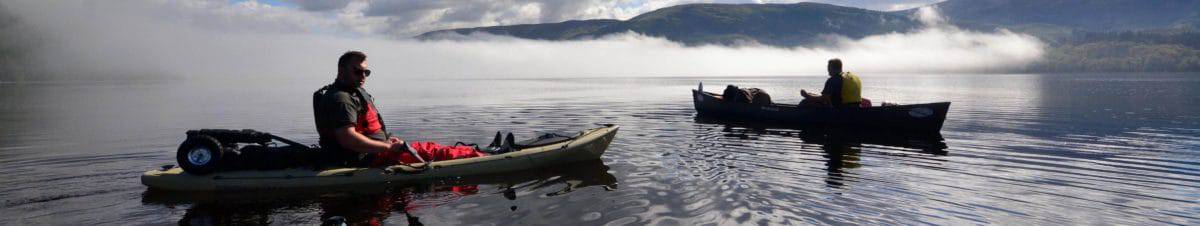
x=336 y=106
x=833 y=89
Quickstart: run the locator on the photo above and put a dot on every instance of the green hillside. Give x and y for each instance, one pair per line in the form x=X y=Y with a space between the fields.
x=771 y=24
x=553 y=31
x=1088 y=15
x=1093 y=35
x=1151 y=50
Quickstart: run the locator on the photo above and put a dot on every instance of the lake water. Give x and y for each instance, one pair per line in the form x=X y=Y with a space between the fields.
x=1018 y=149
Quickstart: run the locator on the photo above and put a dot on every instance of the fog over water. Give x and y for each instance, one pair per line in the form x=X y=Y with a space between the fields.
x=93 y=40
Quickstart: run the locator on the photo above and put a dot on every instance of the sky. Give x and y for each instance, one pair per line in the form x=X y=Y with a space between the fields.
x=199 y=39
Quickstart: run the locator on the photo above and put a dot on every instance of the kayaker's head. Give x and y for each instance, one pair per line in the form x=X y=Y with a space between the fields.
x=835 y=67
x=352 y=68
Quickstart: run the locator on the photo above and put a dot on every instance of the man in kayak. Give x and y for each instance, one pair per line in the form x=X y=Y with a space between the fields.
x=842 y=89
x=352 y=132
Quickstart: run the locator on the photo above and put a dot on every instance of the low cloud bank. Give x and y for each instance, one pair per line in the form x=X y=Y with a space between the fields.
x=100 y=40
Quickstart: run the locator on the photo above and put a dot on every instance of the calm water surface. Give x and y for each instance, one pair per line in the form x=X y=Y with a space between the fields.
x=1017 y=150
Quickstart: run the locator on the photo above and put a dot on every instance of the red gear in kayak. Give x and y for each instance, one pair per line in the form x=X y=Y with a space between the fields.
x=429 y=151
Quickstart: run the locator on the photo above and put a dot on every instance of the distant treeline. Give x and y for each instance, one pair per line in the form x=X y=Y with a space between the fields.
x=1128 y=51
x=1188 y=38
x=16 y=40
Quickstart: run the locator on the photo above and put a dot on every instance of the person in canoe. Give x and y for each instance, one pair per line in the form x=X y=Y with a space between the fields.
x=352 y=132
x=842 y=89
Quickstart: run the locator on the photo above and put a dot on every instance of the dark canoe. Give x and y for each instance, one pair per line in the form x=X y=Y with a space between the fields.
x=914 y=117
x=924 y=142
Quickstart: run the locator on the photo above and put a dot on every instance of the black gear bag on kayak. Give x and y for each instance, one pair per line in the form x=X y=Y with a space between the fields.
x=735 y=95
x=749 y=95
x=212 y=150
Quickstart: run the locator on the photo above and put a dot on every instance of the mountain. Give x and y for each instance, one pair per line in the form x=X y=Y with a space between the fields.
x=805 y=23
x=553 y=31
x=1093 y=35
x=1082 y=35
x=695 y=24
x=1086 y=15
x=1191 y=23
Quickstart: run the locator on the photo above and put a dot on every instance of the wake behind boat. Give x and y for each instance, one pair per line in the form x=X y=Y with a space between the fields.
x=926 y=117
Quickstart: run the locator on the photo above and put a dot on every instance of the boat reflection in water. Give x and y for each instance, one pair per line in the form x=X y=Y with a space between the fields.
x=373 y=203
x=842 y=146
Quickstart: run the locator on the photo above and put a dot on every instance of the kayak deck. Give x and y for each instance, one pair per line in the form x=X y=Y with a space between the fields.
x=591 y=144
x=926 y=117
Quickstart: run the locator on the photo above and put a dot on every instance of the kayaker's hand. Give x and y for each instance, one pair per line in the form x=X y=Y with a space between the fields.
x=394 y=140
x=397 y=147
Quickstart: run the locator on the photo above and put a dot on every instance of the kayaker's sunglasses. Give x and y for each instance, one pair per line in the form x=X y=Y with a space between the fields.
x=365 y=72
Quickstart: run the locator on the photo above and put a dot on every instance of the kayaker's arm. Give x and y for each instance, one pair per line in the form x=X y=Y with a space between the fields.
x=353 y=140
x=824 y=100
x=816 y=100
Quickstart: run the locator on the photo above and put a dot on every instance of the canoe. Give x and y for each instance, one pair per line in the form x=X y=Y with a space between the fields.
x=588 y=145
x=926 y=117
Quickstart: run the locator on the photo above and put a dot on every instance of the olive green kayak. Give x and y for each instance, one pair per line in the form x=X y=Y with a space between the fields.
x=588 y=145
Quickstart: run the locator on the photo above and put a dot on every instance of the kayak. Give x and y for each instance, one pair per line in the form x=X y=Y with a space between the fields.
x=577 y=175
x=926 y=117
x=587 y=145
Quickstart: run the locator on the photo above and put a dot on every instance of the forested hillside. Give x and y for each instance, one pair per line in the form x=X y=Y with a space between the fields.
x=1171 y=50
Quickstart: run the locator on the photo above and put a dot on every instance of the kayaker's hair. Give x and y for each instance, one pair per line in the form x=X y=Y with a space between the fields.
x=350 y=59
x=835 y=66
